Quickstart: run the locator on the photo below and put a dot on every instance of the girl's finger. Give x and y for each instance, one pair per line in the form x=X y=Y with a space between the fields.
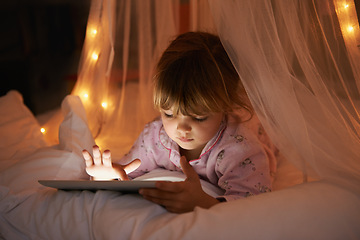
x=152 y=193
x=122 y=173
x=173 y=187
x=163 y=202
x=106 y=158
x=132 y=166
x=97 y=155
x=172 y=205
x=88 y=158
x=188 y=169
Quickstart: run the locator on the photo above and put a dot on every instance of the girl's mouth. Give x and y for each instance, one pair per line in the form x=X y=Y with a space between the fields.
x=182 y=139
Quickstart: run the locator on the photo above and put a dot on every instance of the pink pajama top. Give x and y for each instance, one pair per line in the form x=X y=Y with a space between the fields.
x=239 y=158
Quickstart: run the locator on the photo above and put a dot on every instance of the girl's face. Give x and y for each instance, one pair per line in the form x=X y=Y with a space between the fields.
x=192 y=132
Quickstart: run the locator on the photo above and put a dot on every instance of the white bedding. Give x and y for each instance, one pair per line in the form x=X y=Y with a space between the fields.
x=28 y=210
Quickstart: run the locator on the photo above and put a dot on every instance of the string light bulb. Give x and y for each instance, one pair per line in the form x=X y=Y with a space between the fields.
x=346 y=14
x=350 y=29
x=94 y=56
x=92 y=32
x=104 y=105
x=42 y=130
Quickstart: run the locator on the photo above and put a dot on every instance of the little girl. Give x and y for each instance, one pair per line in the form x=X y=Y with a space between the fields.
x=207 y=130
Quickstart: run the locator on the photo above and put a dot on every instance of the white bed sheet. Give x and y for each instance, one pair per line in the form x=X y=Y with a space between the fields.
x=30 y=211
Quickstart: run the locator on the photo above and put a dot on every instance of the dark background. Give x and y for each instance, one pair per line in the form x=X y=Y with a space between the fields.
x=40 y=46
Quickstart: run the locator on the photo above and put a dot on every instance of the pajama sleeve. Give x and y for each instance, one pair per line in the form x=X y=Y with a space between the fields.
x=242 y=166
x=143 y=150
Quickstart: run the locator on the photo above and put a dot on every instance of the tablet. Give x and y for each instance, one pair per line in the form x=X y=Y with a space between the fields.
x=91 y=185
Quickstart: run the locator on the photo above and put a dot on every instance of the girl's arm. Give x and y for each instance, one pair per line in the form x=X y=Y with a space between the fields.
x=244 y=170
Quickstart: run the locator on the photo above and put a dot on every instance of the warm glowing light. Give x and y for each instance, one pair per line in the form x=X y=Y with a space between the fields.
x=92 y=31
x=86 y=95
x=346 y=13
x=350 y=29
x=104 y=105
x=95 y=56
x=43 y=130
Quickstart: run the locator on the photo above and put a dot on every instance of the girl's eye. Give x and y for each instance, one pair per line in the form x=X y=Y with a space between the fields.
x=168 y=115
x=200 y=119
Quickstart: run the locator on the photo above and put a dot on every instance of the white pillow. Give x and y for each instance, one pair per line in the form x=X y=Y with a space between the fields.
x=19 y=130
x=63 y=161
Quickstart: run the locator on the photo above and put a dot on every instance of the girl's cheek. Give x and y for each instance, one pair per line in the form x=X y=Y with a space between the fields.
x=169 y=125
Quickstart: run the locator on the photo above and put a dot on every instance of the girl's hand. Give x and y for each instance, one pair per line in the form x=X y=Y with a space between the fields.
x=102 y=168
x=180 y=197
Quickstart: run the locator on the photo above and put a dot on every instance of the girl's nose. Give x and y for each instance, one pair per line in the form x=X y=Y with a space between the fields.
x=183 y=127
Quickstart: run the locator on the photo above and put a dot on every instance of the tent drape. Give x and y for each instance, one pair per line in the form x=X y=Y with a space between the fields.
x=298 y=61
x=302 y=78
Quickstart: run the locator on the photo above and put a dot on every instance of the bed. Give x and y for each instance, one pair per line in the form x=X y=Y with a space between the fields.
x=298 y=62
x=28 y=210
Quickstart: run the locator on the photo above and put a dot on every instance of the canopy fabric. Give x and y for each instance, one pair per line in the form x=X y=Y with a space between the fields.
x=298 y=60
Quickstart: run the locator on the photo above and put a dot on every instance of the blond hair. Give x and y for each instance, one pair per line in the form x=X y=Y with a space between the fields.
x=195 y=76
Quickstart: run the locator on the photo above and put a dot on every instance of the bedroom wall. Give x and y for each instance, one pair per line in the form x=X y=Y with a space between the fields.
x=40 y=47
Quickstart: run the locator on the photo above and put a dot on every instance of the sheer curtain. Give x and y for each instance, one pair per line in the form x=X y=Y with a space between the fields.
x=297 y=59
x=123 y=42
x=299 y=62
